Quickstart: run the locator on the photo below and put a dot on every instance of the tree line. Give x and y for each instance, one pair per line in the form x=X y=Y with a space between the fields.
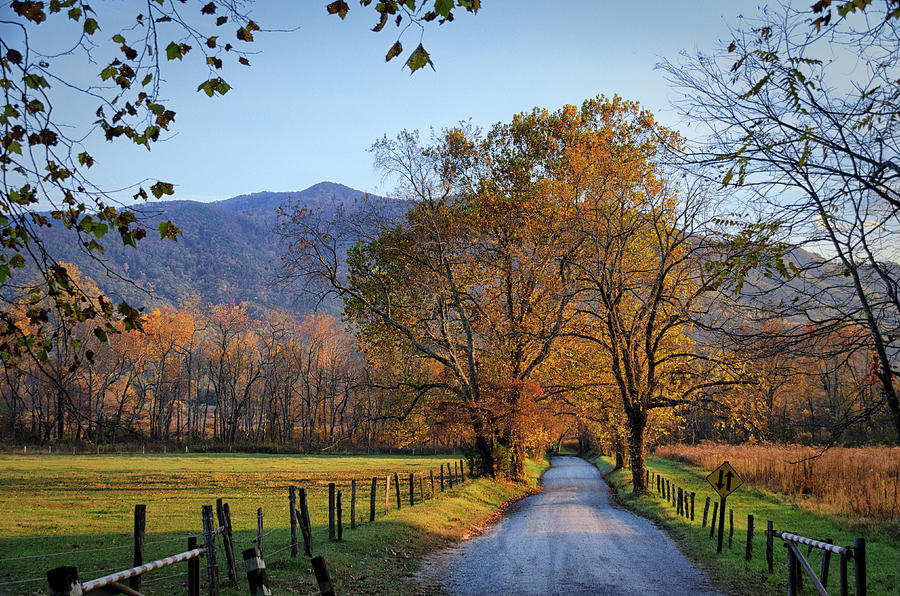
x=206 y=375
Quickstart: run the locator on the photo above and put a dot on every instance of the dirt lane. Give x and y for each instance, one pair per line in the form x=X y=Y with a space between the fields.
x=571 y=539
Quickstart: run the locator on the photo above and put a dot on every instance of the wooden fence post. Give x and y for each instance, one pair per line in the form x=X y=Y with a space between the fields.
x=748 y=552
x=792 y=572
x=705 y=512
x=292 y=510
x=730 y=526
x=209 y=539
x=450 y=475
x=668 y=491
x=397 y=489
x=826 y=562
x=442 y=477
x=431 y=474
x=372 y=499
x=229 y=545
x=193 y=570
x=140 y=524
x=412 y=490
x=843 y=576
x=657 y=483
x=770 y=538
x=692 y=505
x=387 y=493
x=331 y=510
x=340 y=512
x=859 y=566
x=259 y=530
x=421 y=489
x=64 y=581
x=680 y=508
x=256 y=572
x=712 y=526
x=324 y=581
x=353 y=504
x=462 y=472
x=305 y=527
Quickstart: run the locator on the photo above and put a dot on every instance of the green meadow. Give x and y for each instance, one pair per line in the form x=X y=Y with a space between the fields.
x=78 y=510
x=787 y=514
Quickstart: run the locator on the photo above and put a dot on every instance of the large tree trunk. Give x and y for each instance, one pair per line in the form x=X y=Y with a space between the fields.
x=60 y=414
x=637 y=419
x=517 y=455
x=485 y=450
x=893 y=403
x=515 y=452
x=620 y=449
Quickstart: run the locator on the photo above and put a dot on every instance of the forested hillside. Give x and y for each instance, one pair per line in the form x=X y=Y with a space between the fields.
x=228 y=252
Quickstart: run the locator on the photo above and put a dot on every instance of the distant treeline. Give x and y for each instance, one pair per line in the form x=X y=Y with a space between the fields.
x=211 y=375
x=218 y=377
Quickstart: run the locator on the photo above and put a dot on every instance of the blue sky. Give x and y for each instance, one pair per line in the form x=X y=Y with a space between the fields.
x=316 y=98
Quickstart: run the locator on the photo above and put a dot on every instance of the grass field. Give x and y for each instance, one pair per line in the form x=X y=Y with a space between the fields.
x=862 y=482
x=729 y=568
x=77 y=510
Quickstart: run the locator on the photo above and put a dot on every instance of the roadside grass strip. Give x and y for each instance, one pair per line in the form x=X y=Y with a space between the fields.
x=729 y=568
x=78 y=510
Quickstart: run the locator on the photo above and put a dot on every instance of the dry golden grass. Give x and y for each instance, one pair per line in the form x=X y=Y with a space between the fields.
x=859 y=481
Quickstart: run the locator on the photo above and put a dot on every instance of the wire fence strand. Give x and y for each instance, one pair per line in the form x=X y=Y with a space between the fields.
x=280 y=550
x=68 y=552
x=166 y=540
x=23 y=581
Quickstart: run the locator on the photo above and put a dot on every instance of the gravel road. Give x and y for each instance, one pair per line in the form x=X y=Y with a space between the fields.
x=571 y=539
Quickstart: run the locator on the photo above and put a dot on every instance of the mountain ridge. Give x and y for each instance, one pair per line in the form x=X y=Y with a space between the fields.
x=228 y=251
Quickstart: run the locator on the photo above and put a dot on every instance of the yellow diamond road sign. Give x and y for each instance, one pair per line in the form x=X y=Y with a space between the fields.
x=724 y=480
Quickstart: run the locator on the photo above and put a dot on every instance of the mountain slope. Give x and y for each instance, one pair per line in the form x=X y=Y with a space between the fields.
x=228 y=251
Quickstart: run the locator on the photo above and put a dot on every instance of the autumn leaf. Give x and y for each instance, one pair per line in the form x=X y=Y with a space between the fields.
x=339 y=7
x=176 y=50
x=90 y=26
x=394 y=51
x=169 y=231
x=162 y=188
x=213 y=86
x=418 y=59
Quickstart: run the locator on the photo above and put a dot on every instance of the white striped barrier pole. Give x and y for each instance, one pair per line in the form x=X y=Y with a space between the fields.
x=832 y=548
x=134 y=571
